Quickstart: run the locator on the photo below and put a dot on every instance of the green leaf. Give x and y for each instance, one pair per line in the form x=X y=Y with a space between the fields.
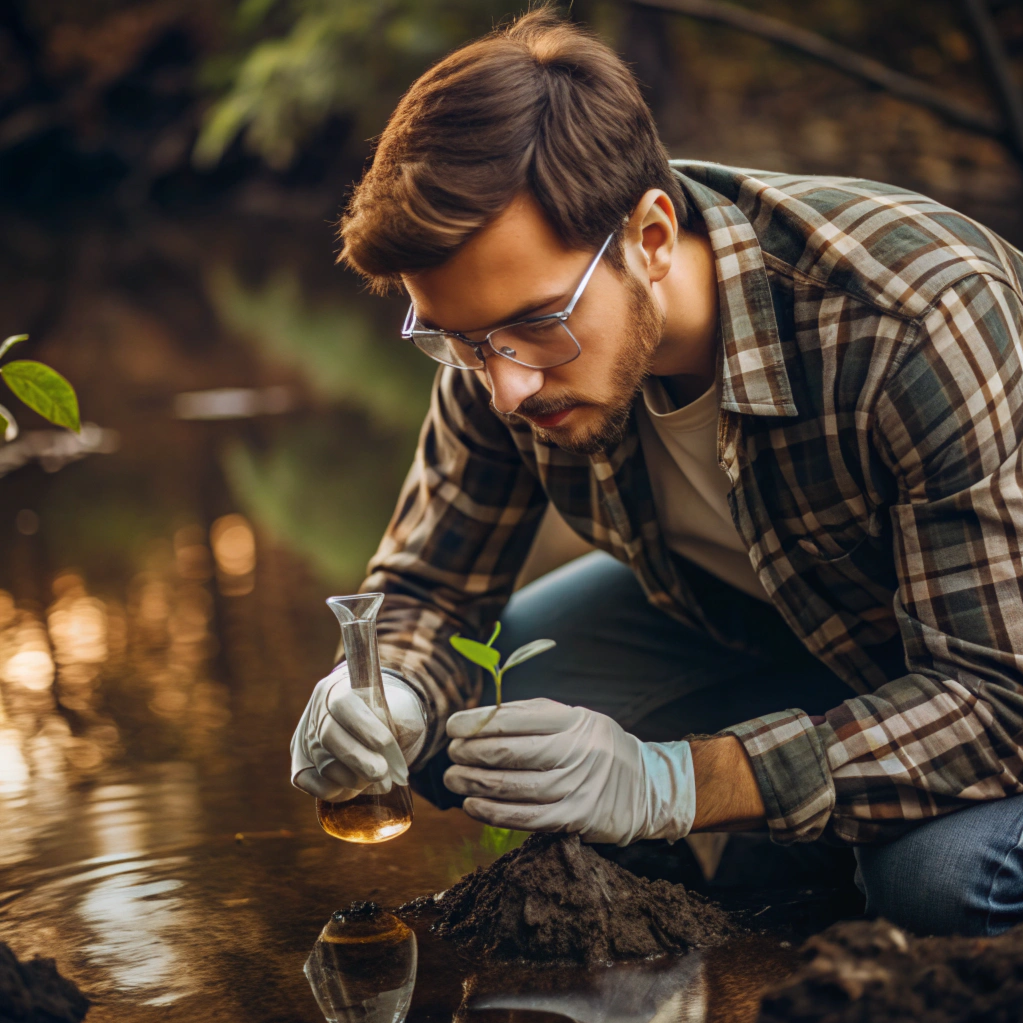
x=497 y=632
x=8 y=424
x=11 y=342
x=538 y=646
x=479 y=653
x=44 y=390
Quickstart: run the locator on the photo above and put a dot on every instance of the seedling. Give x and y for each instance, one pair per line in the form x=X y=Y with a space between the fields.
x=487 y=657
x=42 y=389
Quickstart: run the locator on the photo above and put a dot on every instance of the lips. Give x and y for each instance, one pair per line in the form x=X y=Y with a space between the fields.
x=555 y=419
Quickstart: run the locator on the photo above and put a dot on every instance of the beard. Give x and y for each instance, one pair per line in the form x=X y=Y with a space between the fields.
x=631 y=366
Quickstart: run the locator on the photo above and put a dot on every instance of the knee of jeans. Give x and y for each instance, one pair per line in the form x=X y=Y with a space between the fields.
x=959 y=874
x=568 y=599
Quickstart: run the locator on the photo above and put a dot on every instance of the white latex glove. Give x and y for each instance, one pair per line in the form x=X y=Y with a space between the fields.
x=341 y=748
x=538 y=765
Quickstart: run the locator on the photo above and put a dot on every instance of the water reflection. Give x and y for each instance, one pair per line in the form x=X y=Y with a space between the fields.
x=362 y=968
x=234 y=548
x=717 y=985
x=670 y=989
x=66 y=669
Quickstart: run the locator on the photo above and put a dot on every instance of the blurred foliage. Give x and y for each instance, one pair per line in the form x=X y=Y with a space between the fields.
x=338 y=349
x=297 y=63
x=301 y=62
x=501 y=840
x=324 y=490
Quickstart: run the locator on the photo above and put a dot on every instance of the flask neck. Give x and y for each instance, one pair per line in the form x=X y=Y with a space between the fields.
x=362 y=655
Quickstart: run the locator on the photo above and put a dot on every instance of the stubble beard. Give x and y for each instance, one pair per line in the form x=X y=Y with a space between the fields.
x=632 y=365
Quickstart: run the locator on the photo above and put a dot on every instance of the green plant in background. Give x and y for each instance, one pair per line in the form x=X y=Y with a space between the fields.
x=325 y=488
x=336 y=346
x=303 y=61
x=498 y=841
x=487 y=657
x=42 y=389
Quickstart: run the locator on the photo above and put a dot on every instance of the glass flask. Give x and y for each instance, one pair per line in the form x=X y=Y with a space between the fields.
x=362 y=968
x=371 y=816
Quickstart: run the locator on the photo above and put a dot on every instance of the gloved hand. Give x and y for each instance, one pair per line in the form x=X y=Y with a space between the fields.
x=341 y=748
x=538 y=765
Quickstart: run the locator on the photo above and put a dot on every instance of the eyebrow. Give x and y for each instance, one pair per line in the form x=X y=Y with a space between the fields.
x=522 y=313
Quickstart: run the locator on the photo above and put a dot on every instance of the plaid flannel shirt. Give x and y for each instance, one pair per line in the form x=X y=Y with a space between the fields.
x=870 y=425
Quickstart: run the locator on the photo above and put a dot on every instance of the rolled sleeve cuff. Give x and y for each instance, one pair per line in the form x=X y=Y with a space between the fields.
x=791 y=768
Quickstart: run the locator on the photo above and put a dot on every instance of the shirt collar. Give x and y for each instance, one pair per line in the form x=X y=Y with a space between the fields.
x=754 y=380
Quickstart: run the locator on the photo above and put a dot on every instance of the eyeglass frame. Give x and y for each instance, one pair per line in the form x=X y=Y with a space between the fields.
x=409 y=332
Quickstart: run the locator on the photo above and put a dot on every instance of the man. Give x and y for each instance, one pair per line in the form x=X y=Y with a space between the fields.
x=787 y=409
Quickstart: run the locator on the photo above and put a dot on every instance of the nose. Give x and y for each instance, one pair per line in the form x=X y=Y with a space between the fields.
x=510 y=383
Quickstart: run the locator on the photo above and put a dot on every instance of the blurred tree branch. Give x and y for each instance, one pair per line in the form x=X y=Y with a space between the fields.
x=1009 y=91
x=958 y=112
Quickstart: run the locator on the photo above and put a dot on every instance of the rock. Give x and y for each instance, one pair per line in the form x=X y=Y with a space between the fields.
x=34 y=992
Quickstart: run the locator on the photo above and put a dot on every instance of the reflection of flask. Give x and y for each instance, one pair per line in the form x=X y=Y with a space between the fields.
x=362 y=968
x=370 y=816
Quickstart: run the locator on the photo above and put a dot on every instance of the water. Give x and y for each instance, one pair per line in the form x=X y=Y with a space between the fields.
x=365 y=819
x=162 y=625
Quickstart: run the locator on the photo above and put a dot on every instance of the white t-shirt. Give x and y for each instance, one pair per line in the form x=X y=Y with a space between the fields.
x=690 y=489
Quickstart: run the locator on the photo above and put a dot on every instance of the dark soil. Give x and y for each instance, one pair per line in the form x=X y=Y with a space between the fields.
x=555 y=900
x=872 y=972
x=34 y=992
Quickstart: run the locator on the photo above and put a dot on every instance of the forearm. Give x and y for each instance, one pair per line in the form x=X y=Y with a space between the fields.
x=727 y=796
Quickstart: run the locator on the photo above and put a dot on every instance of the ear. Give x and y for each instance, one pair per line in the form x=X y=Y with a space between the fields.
x=650 y=236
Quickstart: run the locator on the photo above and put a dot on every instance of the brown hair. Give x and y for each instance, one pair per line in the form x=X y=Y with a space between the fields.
x=541 y=105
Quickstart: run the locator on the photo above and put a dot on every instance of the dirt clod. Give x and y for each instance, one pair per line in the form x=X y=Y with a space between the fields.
x=34 y=992
x=357 y=911
x=556 y=900
x=873 y=972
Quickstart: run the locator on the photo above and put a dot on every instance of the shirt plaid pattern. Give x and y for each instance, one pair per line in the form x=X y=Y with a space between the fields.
x=871 y=418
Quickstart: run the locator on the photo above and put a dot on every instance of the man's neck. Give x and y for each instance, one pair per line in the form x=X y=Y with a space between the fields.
x=686 y=358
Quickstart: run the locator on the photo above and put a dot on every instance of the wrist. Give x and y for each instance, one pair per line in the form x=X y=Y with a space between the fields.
x=727 y=795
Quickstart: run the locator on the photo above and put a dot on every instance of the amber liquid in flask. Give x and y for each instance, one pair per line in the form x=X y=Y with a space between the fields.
x=370 y=817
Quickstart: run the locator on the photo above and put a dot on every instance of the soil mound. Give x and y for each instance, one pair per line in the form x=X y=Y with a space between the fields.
x=872 y=972
x=556 y=900
x=34 y=992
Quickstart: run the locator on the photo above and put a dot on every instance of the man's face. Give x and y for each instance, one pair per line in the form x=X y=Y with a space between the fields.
x=517 y=267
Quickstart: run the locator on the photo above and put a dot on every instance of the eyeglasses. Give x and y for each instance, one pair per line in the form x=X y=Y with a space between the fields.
x=540 y=342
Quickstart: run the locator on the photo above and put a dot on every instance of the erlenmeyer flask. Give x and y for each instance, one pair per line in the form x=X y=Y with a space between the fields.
x=362 y=968
x=370 y=816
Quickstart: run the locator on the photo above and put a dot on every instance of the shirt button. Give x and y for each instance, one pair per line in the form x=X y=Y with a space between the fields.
x=810 y=547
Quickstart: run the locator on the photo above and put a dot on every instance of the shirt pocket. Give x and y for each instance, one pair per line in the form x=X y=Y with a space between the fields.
x=855 y=568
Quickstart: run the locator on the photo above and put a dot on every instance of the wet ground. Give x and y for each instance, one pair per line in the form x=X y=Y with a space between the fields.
x=162 y=624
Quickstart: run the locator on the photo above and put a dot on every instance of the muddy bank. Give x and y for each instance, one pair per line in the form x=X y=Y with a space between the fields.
x=34 y=992
x=555 y=900
x=873 y=972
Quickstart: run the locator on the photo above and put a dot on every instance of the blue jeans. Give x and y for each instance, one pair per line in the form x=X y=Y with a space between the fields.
x=617 y=654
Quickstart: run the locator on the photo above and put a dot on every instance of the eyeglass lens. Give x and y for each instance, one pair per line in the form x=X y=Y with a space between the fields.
x=540 y=345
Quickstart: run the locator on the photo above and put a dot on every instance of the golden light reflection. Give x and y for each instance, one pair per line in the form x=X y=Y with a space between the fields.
x=29 y=663
x=57 y=666
x=234 y=548
x=89 y=678
x=13 y=768
x=191 y=554
x=78 y=630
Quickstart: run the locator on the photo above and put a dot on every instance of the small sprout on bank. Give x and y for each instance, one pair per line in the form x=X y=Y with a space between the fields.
x=487 y=657
x=43 y=389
